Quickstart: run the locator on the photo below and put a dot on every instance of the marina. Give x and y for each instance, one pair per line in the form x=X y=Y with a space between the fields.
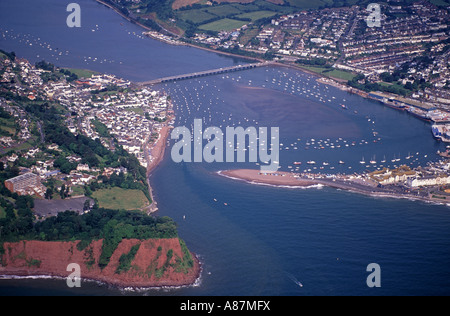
x=195 y=99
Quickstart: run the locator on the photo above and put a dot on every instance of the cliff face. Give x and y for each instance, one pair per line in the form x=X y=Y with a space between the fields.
x=157 y=262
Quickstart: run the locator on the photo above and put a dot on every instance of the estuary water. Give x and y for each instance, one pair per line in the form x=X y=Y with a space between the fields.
x=254 y=239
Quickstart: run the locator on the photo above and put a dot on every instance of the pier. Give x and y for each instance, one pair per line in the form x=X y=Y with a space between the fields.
x=205 y=73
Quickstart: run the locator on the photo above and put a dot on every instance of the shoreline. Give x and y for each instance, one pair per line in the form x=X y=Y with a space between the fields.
x=20 y=274
x=158 y=150
x=288 y=180
x=173 y=34
x=321 y=78
x=52 y=265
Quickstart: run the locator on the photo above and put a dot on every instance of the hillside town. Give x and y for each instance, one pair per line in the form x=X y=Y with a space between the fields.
x=410 y=49
x=403 y=62
x=408 y=53
x=100 y=106
x=428 y=183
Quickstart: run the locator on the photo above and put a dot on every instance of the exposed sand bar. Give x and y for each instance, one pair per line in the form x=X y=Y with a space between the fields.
x=286 y=179
x=278 y=178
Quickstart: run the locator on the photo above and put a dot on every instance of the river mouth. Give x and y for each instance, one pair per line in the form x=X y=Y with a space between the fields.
x=262 y=234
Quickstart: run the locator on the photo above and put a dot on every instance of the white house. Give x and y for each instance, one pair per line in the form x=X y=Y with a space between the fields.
x=428 y=181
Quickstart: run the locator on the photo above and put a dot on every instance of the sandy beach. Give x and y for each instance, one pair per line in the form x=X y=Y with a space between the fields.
x=158 y=150
x=286 y=179
x=157 y=155
x=278 y=178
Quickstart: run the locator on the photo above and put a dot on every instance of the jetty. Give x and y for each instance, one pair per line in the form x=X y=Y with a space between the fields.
x=205 y=73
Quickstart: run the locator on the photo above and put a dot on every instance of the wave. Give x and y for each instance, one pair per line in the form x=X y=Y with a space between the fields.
x=30 y=277
x=197 y=283
x=314 y=186
x=47 y=277
x=379 y=195
x=122 y=289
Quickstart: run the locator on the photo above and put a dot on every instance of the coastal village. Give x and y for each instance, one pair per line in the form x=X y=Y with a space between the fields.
x=408 y=50
x=403 y=62
x=104 y=107
x=69 y=135
x=429 y=183
x=100 y=106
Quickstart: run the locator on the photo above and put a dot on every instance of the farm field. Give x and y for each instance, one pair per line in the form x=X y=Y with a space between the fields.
x=334 y=73
x=230 y=15
x=254 y=16
x=223 y=25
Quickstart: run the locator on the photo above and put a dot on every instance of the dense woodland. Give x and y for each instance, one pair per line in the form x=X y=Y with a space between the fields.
x=110 y=225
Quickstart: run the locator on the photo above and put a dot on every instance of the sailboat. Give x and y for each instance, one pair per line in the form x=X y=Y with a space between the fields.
x=373 y=161
x=384 y=160
x=362 y=161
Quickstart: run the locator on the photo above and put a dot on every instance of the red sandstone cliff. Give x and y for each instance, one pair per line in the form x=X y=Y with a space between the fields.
x=150 y=267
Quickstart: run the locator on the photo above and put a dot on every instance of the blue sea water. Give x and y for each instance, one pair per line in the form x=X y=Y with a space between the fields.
x=254 y=239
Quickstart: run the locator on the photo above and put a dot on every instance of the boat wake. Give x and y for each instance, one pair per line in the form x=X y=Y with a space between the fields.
x=313 y=186
x=294 y=279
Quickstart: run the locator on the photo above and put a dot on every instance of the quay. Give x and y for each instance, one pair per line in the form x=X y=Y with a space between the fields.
x=206 y=73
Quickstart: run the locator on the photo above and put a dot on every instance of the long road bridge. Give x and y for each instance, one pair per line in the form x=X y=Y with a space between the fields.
x=206 y=73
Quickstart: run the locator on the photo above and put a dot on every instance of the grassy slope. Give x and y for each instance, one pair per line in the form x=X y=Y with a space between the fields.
x=121 y=199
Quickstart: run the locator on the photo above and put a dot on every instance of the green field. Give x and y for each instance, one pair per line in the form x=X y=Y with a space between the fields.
x=308 y=4
x=196 y=16
x=136 y=110
x=254 y=16
x=339 y=74
x=246 y=7
x=442 y=3
x=121 y=199
x=334 y=73
x=223 y=25
x=82 y=73
x=224 y=10
x=7 y=127
x=226 y=15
